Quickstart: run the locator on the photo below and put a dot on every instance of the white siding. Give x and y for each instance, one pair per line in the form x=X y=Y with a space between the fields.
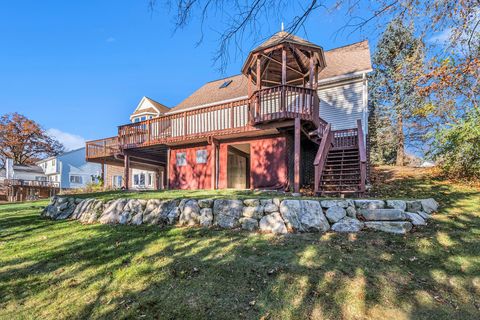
x=342 y=104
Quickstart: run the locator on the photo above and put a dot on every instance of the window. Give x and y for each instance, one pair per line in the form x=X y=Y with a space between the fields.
x=75 y=179
x=136 y=119
x=117 y=181
x=53 y=163
x=202 y=156
x=181 y=159
x=225 y=84
x=149 y=179
x=144 y=118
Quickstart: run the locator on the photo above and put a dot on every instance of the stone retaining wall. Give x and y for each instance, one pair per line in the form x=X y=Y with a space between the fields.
x=266 y=215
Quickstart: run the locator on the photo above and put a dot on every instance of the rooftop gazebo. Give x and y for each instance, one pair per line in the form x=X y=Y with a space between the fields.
x=283 y=75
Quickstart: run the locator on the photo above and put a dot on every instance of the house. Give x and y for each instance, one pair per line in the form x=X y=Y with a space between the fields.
x=70 y=169
x=19 y=182
x=25 y=172
x=295 y=117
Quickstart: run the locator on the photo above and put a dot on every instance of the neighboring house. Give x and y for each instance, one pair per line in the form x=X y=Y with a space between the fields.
x=296 y=116
x=70 y=169
x=23 y=172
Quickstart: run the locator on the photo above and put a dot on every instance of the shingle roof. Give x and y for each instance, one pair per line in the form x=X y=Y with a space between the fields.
x=340 y=61
x=346 y=60
x=27 y=168
x=284 y=36
x=161 y=107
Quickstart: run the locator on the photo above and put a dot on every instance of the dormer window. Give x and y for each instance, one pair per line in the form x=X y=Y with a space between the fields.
x=225 y=84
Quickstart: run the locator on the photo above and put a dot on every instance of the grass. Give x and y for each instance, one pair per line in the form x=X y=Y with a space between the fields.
x=65 y=270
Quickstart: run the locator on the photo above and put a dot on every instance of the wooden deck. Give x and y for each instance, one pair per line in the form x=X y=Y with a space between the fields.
x=270 y=105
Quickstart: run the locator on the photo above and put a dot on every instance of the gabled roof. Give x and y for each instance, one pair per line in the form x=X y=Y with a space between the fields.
x=211 y=92
x=147 y=105
x=346 y=60
x=27 y=168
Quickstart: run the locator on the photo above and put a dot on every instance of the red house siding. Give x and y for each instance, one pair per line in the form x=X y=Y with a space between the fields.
x=193 y=175
x=268 y=165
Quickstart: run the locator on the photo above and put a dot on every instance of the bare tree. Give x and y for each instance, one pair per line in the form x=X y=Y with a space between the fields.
x=243 y=19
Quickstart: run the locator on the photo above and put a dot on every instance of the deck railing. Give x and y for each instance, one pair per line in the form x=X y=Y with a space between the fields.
x=280 y=102
x=31 y=183
x=347 y=138
x=269 y=104
x=102 y=148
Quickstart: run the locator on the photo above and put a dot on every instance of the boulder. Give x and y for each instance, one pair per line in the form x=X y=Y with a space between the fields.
x=206 y=217
x=253 y=212
x=429 y=206
x=67 y=211
x=205 y=203
x=351 y=212
x=398 y=227
x=335 y=214
x=134 y=206
x=50 y=211
x=369 y=204
x=111 y=215
x=424 y=215
x=348 y=224
x=382 y=214
x=227 y=212
x=397 y=204
x=264 y=202
x=277 y=201
x=137 y=219
x=125 y=217
x=270 y=208
x=334 y=203
x=303 y=215
x=273 y=223
x=414 y=206
x=415 y=219
x=248 y=224
x=161 y=212
x=61 y=200
x=251 y=202
x=190 y=214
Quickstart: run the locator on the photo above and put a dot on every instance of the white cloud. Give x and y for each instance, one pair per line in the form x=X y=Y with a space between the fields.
x=442 y=36
x=69 y=141
x=110 y=39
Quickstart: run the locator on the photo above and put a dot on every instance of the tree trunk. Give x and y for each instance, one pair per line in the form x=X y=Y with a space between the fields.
x=401 y=139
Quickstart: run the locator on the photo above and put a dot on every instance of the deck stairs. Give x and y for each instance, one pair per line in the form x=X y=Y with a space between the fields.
x=340 y=164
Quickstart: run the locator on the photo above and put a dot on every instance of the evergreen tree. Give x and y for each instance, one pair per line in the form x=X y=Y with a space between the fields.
x=397 y=63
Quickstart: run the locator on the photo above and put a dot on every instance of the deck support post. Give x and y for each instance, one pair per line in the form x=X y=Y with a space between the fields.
x=296 y=162
x=103 y=175
x=284 y=80
x=167 y=171
x=126 y=170
x=213 y=164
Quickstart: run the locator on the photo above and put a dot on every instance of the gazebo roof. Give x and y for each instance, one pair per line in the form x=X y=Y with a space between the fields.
x=298 y=54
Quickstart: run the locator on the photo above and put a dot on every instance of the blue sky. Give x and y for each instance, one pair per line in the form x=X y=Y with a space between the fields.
x=79 y=68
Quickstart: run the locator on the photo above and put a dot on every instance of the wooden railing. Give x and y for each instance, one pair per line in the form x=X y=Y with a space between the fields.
x=281 y=102
x=273 y=103
x=363 y=156
x=322 y=154
x=347 y=138
x=220 y=119
x=31 y=183
x=102 y=148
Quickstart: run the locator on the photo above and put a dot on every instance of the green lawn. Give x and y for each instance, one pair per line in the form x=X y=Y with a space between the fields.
x=65 y=270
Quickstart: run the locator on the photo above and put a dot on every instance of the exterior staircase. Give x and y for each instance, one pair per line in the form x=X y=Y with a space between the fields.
x=341 y=163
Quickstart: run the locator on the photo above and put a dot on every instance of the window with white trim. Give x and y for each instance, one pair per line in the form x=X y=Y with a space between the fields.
x=202 y=156
x=117 y=181
x=75 y=179
x=181 y=159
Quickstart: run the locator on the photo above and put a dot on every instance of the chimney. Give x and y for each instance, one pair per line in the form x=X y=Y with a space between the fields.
x=9 y=168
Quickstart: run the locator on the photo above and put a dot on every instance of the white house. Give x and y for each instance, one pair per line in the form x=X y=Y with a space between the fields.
x=70 y=169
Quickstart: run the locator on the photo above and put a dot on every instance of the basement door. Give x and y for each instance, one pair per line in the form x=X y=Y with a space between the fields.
x=238 y=167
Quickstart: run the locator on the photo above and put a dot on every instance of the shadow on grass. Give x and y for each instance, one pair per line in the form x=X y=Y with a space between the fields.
x=113 y=272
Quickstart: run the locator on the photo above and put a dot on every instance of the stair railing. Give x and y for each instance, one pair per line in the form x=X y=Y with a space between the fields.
x=321 y=156
x=363 y=156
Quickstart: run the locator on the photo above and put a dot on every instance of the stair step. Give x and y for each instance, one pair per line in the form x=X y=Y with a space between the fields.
x=342 y=161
